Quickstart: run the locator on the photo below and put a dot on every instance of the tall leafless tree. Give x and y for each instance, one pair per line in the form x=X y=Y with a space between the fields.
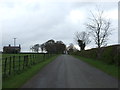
x=82 y=39
x=100 y=28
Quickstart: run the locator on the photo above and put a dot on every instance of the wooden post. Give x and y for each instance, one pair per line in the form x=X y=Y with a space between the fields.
x=5 y=67
x=44 y=56
x=19 y=63
x=30 y=59
x=10 y=66
x=33 y=58
x=26 y=60
x=23 y=62
x=14 y=63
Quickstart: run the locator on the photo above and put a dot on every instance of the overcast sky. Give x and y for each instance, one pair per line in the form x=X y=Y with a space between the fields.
x=34 y=22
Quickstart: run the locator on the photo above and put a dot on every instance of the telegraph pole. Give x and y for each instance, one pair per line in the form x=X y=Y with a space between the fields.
x=14 y=41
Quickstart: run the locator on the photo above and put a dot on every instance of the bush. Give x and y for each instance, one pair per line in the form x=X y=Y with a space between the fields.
x=109 y=54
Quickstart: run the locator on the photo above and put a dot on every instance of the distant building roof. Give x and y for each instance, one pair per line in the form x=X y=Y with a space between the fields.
x=11 y=46
x=11 y=49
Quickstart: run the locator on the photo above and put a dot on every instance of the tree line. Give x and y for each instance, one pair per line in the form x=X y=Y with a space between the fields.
x=51 y=46
x=98 y=29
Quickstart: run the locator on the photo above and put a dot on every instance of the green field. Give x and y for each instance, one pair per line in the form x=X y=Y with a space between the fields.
x=19 y=76
x=15 y=63
x=16 y=81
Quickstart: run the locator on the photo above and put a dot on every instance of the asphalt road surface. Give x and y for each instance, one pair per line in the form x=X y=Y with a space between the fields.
x=69 y=72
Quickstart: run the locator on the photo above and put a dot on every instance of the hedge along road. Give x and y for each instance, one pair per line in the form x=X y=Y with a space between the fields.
x=68 y=72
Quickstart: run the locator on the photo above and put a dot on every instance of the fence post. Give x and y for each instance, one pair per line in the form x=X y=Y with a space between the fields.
x=33 y=59
x=14 y=63
x=5 y=67
x=26 y=60
x=23 y=62
x=19 y=63
x=48 y=56
x=44 y=56
x=10 y=66
x=30 y=59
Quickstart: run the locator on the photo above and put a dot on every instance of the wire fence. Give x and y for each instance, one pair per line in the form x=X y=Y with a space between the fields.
x=16 y=64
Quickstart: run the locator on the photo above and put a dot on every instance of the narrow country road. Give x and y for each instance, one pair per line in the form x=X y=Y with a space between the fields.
x=69 y=72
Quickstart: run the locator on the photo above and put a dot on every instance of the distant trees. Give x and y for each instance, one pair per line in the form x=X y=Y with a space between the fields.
x=50 y=47
x=71 y=48
x=82 y=39
x=42 y=47
x=60 y=47
x=31 y=48
x=35 y=48
x=53 y=47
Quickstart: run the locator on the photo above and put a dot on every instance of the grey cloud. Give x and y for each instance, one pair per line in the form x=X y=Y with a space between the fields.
x=41 y=22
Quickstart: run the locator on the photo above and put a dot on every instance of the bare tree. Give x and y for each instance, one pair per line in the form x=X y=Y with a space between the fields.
x=82 y=39
x=99 y=28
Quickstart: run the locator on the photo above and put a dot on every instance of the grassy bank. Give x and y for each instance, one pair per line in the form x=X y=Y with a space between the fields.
x=18 y=80
x=110 y=69
x=109 y=54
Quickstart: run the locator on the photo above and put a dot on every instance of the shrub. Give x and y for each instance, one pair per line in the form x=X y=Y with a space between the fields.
x=109 y=54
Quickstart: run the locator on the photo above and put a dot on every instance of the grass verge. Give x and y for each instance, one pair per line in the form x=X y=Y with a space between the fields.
x=18 y=80
x=110 y=69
